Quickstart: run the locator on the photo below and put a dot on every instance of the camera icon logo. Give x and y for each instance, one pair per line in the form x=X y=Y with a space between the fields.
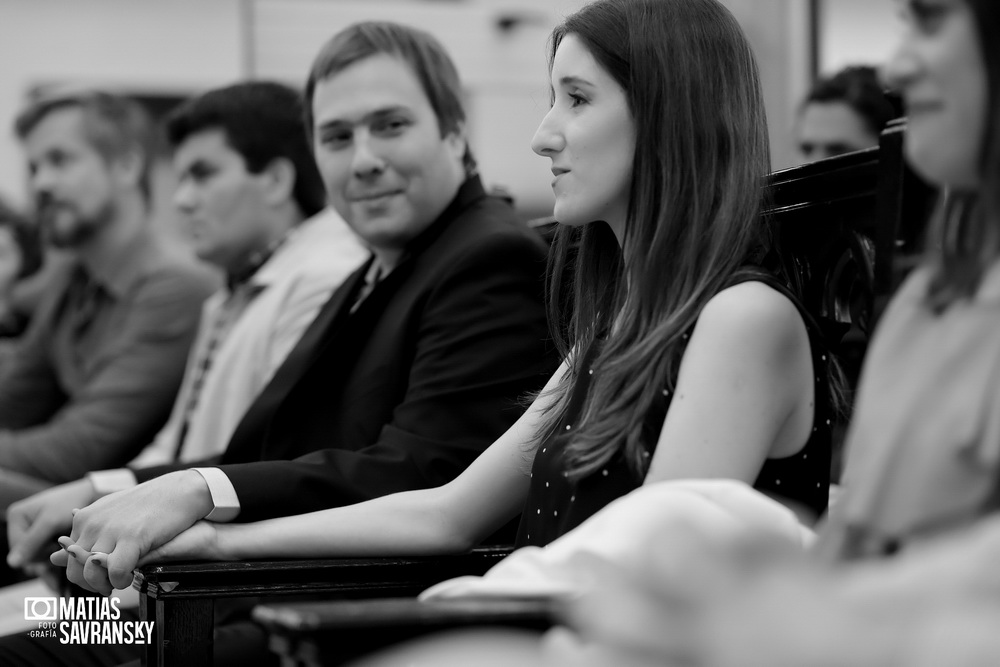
x=40 y=609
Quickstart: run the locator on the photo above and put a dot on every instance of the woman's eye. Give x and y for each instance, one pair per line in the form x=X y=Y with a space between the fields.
x=576 y=99
x=926 y=16
x=200 y=174
x=59 y=159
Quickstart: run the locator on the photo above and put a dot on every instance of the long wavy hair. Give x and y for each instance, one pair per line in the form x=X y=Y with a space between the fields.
x=694 y=211
x=964 y=235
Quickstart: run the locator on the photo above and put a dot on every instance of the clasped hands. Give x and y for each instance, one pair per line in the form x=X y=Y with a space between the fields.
x=113 y=535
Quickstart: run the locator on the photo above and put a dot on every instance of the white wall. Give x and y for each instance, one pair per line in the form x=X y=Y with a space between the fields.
x=778 y=31
x=503 y=71
x=188 y=45
x=856 y=32
x=133 y=45
x=183 y=46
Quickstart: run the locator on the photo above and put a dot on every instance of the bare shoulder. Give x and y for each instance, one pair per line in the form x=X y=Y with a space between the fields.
x=752 y=314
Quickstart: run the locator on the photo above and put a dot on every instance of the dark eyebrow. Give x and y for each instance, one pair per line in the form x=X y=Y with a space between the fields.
x=574 y=81
x=388 y=111
x=370 y=116
x=198 y=164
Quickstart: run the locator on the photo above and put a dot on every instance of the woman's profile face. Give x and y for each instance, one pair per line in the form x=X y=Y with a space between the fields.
x=590 y=138
x=938 y=68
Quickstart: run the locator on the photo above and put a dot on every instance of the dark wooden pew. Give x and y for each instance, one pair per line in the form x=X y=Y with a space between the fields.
x=842 y=220
x=333 y=633
x=180 y=597
x=904 y=206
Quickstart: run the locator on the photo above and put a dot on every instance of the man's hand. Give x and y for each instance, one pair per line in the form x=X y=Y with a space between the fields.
x=34 y=523
x=129 y=524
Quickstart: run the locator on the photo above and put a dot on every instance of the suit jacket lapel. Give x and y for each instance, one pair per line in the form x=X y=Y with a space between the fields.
x=330 y=319
x=335 y=325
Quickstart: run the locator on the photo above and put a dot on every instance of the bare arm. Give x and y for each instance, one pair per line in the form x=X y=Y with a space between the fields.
x=474 y=344
x=447 y=519
x=744 y=391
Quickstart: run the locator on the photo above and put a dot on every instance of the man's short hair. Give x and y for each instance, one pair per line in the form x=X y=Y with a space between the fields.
x=860 y=88
x=115 y=126
x=431 y=64
x=262 y=121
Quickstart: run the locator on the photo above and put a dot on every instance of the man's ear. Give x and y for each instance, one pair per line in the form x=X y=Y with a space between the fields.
x=457 y=141
x=279 y=180
x=129 y=166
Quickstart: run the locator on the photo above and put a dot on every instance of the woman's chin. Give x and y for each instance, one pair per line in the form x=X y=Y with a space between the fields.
x=932 y=166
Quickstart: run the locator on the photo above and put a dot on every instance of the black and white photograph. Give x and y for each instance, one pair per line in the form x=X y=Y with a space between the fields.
x=488 y=333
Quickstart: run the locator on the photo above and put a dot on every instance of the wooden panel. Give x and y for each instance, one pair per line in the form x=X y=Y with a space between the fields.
x=247 y=578
x=328 y=633
x=181 y=596
x=184 y=634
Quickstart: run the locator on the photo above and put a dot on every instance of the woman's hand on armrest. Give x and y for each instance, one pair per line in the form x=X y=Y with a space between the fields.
x=202 y=541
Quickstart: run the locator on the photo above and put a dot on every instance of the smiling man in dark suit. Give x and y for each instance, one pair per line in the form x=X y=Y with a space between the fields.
x=418 y=361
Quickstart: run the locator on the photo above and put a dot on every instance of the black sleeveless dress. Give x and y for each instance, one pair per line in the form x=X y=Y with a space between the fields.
x=556 y=504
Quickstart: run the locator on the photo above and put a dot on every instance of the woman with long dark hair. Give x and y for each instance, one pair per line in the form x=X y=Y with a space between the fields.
x=910 y=550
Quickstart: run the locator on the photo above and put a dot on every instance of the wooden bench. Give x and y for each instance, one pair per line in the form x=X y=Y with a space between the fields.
x=843 y=219
x=180 y=597
x=332 y=633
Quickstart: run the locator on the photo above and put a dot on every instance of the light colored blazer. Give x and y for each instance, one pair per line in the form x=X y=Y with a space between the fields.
x=923 y=449
x=294 y=283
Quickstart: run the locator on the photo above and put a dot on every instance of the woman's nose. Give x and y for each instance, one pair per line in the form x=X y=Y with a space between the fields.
x=184 y=196
x=548 y=139
x=902 y=66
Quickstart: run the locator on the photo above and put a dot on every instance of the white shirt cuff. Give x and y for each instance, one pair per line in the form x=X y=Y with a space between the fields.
x=109 y=481
x=226 y=504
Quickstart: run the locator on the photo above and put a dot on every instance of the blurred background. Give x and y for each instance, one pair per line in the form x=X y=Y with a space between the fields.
x=161 y=51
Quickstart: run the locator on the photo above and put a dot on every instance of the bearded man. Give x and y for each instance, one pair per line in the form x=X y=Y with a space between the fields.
x=96 y=373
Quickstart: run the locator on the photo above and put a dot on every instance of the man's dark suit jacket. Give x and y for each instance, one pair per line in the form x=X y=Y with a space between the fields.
x=406 y=391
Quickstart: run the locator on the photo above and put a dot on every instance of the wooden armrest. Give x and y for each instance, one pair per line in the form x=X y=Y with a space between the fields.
x=328 y=633
x=180 y=597
x=289 y=577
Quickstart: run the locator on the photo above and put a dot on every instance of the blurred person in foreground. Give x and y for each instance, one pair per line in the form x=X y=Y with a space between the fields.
x=843 y=113
x=98 y=369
